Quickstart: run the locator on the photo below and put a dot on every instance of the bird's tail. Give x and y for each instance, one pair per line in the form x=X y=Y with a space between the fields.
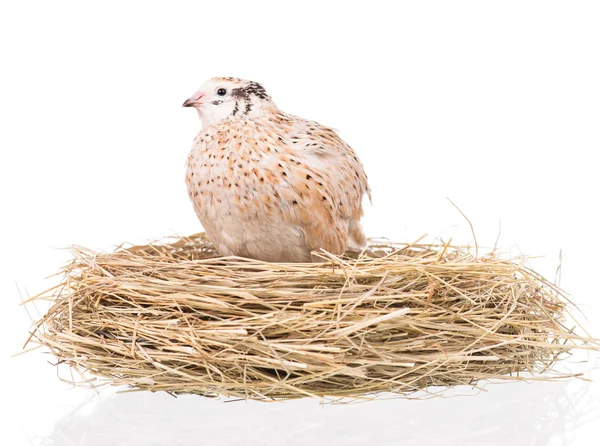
x=356 y=236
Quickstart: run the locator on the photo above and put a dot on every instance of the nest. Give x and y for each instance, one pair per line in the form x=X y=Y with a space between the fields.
x=175 y=317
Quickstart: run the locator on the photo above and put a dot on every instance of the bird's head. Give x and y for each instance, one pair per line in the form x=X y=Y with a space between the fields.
x=228 y=97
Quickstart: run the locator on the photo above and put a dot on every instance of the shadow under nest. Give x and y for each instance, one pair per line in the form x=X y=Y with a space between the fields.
x=398 y=318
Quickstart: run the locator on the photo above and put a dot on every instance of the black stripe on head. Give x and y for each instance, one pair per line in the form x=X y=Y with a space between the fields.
x=258 y=90
x=252 y=88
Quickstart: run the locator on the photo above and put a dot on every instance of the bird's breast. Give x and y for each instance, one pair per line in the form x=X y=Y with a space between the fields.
x=230 y=181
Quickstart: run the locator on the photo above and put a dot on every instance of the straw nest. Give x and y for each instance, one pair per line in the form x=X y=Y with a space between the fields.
x=175 y=317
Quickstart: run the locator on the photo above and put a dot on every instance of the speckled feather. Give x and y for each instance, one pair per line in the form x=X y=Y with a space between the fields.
x=269 y=185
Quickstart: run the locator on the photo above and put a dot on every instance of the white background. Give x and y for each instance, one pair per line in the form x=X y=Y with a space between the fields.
x=495 y=105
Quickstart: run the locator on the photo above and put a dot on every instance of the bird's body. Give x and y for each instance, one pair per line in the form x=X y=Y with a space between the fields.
x=272 y=186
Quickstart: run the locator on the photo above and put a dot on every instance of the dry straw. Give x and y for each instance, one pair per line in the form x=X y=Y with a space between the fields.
x=396 y=318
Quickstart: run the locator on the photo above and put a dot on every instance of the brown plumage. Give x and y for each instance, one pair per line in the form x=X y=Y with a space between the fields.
x=269 y=185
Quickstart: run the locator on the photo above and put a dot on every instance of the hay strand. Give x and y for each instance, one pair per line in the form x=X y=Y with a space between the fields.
x=396 y=318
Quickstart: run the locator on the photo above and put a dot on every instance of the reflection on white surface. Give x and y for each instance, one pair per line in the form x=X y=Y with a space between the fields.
x=507 y=414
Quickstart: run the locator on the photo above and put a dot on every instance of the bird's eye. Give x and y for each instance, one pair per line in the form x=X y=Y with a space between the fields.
x=221 y=92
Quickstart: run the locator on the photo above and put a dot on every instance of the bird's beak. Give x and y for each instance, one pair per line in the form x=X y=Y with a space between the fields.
x=194 y=101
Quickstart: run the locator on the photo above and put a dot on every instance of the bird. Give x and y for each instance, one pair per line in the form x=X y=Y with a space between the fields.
x=268 y=185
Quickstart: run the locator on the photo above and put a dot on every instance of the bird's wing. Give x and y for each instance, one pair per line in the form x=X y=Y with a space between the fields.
x=323 y=147
x=327 y=184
